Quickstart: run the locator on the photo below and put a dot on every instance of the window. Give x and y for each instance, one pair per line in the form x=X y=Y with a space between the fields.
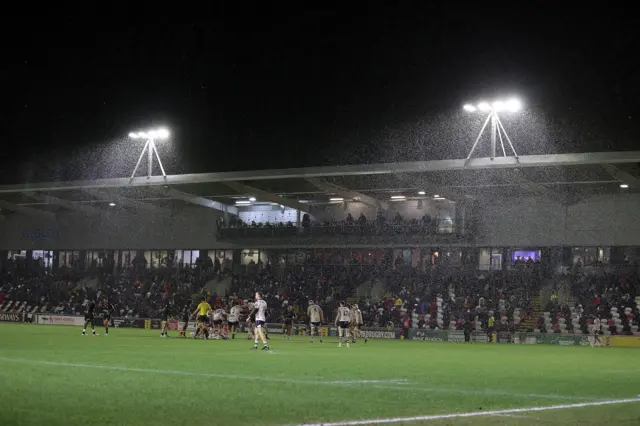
x=68 y=258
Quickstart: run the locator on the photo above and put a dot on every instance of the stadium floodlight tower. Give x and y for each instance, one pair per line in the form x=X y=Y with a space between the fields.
x=150 y=148
x=497 y=129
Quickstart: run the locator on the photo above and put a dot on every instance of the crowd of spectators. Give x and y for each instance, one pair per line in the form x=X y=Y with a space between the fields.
x=380 y=226
x=443 y=298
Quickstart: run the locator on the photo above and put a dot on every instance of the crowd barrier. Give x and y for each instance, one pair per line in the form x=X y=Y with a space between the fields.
x=368 y=332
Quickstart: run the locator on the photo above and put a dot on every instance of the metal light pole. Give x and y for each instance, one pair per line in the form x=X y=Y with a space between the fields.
x=497 y=129
x=150 y=149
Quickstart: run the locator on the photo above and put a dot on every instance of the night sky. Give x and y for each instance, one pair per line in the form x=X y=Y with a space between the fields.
x=266 y=88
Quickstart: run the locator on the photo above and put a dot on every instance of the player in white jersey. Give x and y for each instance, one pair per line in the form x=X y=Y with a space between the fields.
x=342 y=322
x=316 y=317
x=260 y=312
x=218 y=321
x=355 y=322
x=234 y=318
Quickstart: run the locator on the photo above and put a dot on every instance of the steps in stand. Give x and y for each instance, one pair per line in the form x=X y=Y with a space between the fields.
x=532 y=321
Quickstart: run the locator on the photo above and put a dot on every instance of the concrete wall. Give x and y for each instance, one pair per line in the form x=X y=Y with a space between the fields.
x=606 y=220
x=188 y=228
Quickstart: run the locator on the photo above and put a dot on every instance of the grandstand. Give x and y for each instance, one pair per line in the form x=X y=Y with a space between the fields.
x=368 y=230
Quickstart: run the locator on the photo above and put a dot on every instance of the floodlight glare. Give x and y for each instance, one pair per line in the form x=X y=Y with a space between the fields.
x=162 y=133
x=112 y=204
x=421 y=193
x=513 y=105
x=252 y=199
x=133 y=135
x=624 y=185
x=142 y=135
x=484 y=107
x=469 y=108
x=498 y=106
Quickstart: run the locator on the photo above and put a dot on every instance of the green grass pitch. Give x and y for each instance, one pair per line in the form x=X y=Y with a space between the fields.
x=51 y=375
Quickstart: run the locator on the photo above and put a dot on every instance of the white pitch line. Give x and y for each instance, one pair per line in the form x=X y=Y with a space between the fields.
x=483 y=392
x=393 y=384
x=475 y=413
x=198 y=374
x=358 y=382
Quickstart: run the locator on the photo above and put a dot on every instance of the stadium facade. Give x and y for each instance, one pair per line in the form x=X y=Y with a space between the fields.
x=482 y=212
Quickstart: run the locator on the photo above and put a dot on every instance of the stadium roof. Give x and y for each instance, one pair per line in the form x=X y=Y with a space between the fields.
x=563 y=177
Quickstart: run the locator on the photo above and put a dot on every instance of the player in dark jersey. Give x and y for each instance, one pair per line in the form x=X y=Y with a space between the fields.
x=288 y=317
x=88 y=319
x=107 y=311
x=186 y=315
x=165 y=320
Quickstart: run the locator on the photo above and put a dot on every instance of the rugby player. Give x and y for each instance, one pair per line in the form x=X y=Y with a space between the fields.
x=218 y=319
x=260 y=310
x=202 y=310
x=250 y=321
x=164 y=329
x=88 y=319
x=287 y=318
x=316 y=317
x=186 y=314
x=355 y=322
x=342 y=322
x=234 y=318
x=107 y=311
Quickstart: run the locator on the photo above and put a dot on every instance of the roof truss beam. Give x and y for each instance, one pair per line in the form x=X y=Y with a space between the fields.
x=66 y=204
x=267 y=196
x=27 y=210
x=515 y=175
x=200 y=201
x=348 y=193
x=118 y=199
x=553 y=160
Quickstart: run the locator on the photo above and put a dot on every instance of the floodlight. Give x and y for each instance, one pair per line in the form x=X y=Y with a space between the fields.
x=513 y=105
x=484 y=107
x=498 y=106
x=421 y=193
x=112 y=204
x=624 y=185
x=162 y=133
x=150 y=149
x=497 y=131
x=252 y=199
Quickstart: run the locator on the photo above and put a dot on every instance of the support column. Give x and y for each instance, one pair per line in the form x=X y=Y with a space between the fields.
x=494 y=131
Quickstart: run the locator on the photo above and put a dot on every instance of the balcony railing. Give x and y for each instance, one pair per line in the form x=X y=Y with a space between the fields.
x=352 y=233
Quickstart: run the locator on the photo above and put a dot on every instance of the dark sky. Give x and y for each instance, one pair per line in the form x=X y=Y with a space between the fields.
x=267 y=88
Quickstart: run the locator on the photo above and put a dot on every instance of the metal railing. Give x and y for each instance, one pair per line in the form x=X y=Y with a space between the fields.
x=343 y=230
